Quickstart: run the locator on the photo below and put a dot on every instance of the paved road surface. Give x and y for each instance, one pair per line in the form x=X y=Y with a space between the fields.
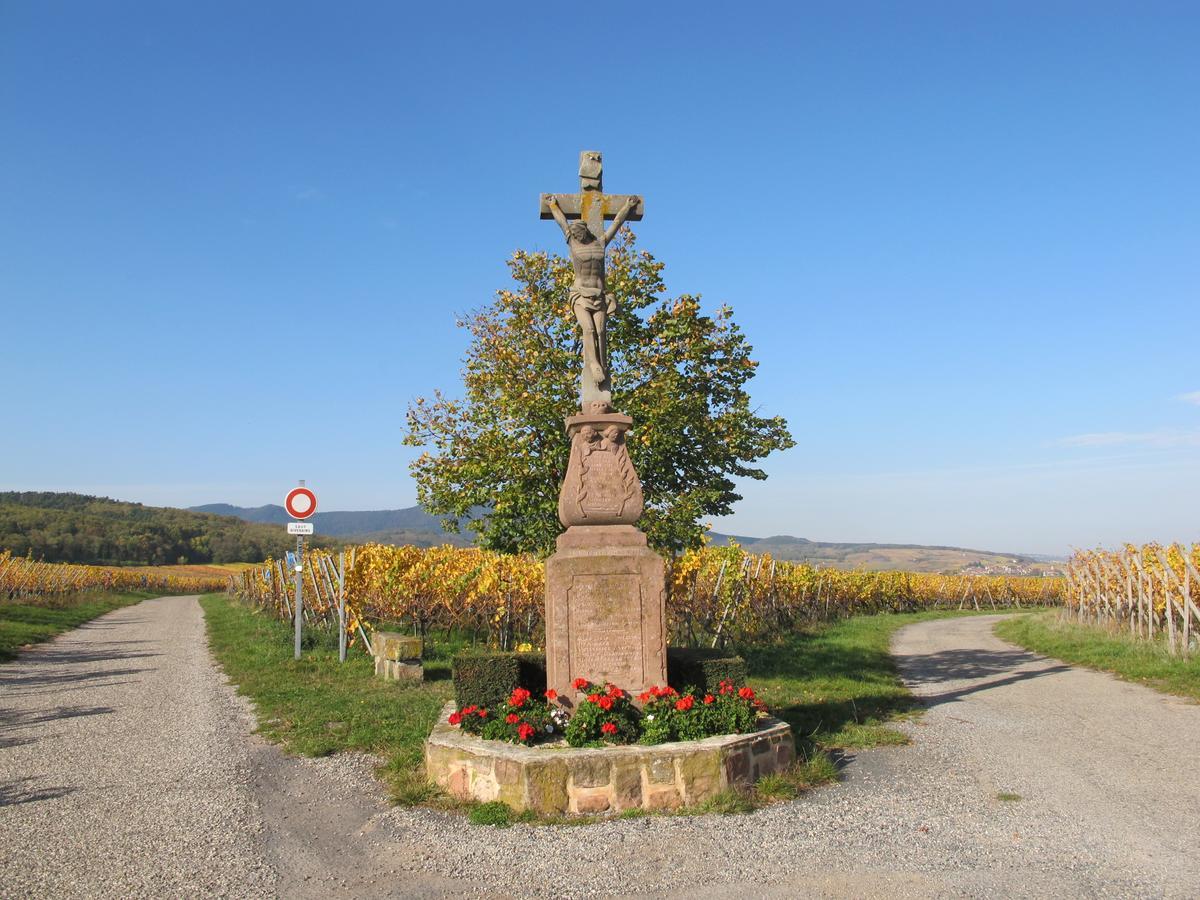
x=127 y=768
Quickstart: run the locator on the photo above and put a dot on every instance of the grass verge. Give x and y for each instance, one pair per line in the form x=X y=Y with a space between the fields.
x=32 y=623
x=1126 y=657
x=315 y=705
x=835 y=684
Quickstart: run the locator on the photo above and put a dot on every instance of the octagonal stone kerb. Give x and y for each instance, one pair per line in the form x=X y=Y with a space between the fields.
x=561 y=779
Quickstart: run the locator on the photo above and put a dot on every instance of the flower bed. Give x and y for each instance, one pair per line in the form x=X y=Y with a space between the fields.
x=555 y=778
x=607 y=715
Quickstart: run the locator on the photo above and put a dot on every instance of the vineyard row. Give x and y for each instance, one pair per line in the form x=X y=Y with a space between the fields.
x=715 y=595
x=1153 y=591
x=28 y=579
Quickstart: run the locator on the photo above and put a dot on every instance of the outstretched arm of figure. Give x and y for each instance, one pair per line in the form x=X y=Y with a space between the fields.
x=556 y=211
x=622 y=214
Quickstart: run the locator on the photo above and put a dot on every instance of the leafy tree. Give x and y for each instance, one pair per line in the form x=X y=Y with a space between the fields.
x=495 y=460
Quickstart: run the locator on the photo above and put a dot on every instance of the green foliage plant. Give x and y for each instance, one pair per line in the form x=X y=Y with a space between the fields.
x=486 y=678
x=605 y=716
x=493 y=813
x=681 y=374
x=704 y=669
x=521 y=720
x=671 y=716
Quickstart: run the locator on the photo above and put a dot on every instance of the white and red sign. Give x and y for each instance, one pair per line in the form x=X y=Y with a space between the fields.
x=300 y=503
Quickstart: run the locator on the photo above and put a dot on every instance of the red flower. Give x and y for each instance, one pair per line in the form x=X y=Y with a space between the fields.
x=467 y=710
x=579 y=684
x=512 y=718
x=615 y=692
x=726 y=687
x=685 y=704
x=645 y=696
x=605 y=703
x=593 y=698
x=525 y=731
x=608 y=728
x=518 y=698
x=552 y=694
x=482 y=714
x=708 y=699
x=746 y=693
x=455 y=718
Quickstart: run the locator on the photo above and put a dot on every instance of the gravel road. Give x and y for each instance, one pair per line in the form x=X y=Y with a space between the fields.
x=124 y=765
x=125 y=756
x=1105 y=771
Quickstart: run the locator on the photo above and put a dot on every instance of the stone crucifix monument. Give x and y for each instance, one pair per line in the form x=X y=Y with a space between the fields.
x=605 y=588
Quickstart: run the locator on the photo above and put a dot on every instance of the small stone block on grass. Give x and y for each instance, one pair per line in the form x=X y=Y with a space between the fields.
x=393 y=645
x=397 y=656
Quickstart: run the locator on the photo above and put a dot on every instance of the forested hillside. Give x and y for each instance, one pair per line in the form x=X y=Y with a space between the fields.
x=410 y=525
x=62 y=527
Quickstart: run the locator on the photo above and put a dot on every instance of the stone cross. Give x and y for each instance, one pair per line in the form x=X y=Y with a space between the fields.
x=605 y=588
x=581 y=217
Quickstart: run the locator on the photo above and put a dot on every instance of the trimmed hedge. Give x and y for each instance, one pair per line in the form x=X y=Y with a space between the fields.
x=703 y=669
x=486 y=678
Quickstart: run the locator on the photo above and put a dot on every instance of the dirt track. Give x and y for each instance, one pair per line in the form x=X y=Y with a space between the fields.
x=128 y=763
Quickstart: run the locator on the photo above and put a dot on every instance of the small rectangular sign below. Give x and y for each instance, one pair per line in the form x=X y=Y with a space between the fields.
x=300 y=527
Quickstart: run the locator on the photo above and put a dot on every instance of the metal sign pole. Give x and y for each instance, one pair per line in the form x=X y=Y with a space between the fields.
x=299 y=604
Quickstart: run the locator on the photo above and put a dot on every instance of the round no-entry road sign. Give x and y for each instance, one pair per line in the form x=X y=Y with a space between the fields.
x=300 y=503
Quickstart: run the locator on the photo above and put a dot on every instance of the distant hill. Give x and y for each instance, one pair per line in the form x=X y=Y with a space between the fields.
x=413 y=525
x=77 y=528
x=907 y=557
x=409 y=525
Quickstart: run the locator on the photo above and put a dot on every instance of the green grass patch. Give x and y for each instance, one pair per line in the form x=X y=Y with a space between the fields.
x=317 y=705
x=726 y=803
x=494 y=813
x=32 y=623
x=1120 y=654
x=1008 y=797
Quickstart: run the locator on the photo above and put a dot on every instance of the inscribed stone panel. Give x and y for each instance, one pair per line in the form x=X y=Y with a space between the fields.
x=606 y=628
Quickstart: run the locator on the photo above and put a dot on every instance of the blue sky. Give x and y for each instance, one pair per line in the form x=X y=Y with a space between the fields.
x=964 y=240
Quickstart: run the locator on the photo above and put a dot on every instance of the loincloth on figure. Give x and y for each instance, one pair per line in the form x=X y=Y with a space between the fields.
x=593 y=300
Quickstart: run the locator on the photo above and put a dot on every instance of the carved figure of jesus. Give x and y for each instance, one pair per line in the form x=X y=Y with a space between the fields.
x=590 y=299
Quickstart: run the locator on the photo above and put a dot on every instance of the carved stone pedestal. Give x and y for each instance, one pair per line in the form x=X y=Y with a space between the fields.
x=606 y=594
x=605 y=588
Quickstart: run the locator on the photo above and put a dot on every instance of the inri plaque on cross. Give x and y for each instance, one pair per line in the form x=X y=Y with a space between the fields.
x=591 y=204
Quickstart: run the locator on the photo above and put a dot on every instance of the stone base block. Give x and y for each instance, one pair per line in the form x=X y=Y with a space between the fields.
x=399 y=669
x=393 y=645
x=565 y=780
x=397 y=656
x=605 y=611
